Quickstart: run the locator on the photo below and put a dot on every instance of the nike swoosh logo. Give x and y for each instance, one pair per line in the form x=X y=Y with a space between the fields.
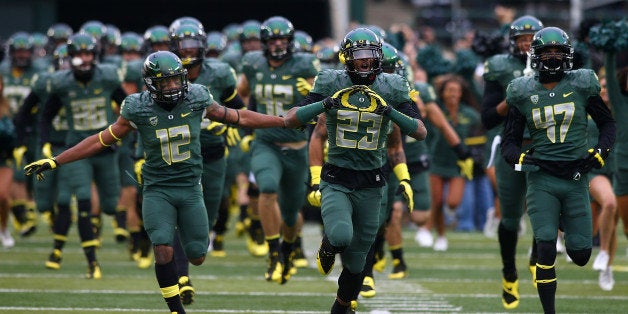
x=183 y=115
x=567 y=94
x=286 y=77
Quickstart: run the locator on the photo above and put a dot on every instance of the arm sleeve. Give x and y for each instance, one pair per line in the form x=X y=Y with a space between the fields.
x=409 y=109
x=493 y=95
x=231 y=99
x=310 y=98
x=24 y=118
x=52 y=107
x=604 y=121
x=512 y=135
x=118 y=95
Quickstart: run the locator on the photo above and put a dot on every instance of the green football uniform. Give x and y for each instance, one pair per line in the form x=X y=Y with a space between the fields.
x=88 y=110
x=557 y=121
x=172 y=193
x=352 y=182
x=279 y=169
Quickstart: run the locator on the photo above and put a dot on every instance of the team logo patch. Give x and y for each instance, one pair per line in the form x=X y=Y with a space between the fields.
x=153 y=121
x=534 y=99
x=259 y=76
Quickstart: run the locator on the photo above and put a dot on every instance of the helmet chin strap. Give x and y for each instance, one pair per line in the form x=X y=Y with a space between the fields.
x=550 y=77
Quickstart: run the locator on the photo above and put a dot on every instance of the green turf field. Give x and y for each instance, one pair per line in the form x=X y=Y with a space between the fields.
x=465 y=279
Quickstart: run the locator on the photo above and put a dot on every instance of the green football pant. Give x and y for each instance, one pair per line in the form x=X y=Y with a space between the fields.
x=213 y=184
x=180 y=207
x=351 y=220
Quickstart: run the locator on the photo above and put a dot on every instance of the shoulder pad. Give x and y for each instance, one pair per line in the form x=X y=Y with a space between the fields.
x=584 y=80
x=198 y=97
x=327 y=82
x=305 y=65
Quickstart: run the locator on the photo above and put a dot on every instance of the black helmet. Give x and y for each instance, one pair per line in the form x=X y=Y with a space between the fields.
x=362 y=43
x=277 y=27
x=551 y=37
x=158 y=67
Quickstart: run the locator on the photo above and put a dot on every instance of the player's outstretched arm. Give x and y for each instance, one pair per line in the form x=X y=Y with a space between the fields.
x=245 y=118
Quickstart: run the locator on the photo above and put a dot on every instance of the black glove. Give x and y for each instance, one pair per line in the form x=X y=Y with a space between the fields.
x=39 y=166
x=594 y=159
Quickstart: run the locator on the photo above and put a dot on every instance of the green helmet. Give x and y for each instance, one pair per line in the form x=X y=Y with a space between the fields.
x=113 y=36
x=545 y=61
x=157 y=34
x=82 y=42
x=378 y=31
x=391 y=62
x=131 y=42
x=59 y=32
x=61 y=57
x=189 y=36
x=303 y=42
x=525 y=25
x=273 y=28
x=362 y=43
x=20 y=41
x=185 y=20
x=95 y=28
x=163 y=65
x=232 y=31
x=216 y=43
x=250 y=30
x=328 y=56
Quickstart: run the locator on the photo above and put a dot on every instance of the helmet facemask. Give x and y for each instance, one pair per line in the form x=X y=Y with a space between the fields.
x=280 y=51
x=190 y=43
x=552 y=63
x=361 y=72
x=168 y=90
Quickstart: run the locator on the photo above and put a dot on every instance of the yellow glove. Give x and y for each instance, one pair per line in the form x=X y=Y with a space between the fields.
x=303 y=86
x=18 y=155
x=245 y=144
x=47 y=150
x=138 y=170
x=314 y=195
x=38 y=167
x=232 y=136
x=405 y=189
x=466 y=168
x=217 y=128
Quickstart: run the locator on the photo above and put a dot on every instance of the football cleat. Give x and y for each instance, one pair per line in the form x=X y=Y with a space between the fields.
x=275 y=268
x=186 y=291
x=353 y=307
x=256 y=243
x=54 y=260
x=218 y=247
x=93 y=271
x=300 y=261
x=288 y=268
x=368 y=287
x=400 y=270
x=380 y=263
x=532 y=269
x=510 y=294
x=144 y=262
x=325 y=261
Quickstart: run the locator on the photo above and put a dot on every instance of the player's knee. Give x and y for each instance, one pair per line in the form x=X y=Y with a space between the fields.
x=546 y=251
x=580 y=257
x=163 y=254
x=196 y=251
x=340 y=235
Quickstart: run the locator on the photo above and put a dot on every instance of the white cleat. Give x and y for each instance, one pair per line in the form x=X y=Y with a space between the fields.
x=606 y=281
x=601 y=261
x=7 y=239
x=440 y=244
x=424 y=237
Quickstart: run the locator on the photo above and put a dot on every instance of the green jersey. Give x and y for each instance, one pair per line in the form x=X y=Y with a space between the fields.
x=88 y=107
x=41 y=87
x=17 y=85
x=274 y=89
x=556 y=116
x=358 y=140
x=220 y=79
x=170 y=139
x=132 y=72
